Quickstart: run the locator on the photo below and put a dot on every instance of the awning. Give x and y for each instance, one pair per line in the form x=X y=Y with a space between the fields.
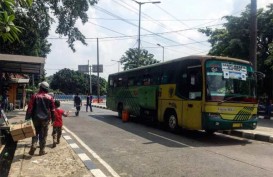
x=21 y=64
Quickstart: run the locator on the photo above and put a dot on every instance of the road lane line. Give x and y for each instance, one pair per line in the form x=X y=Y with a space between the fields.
x=95 y=155
x=170 y=140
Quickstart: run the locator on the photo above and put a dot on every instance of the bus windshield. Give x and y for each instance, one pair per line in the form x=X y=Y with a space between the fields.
x=230 y=81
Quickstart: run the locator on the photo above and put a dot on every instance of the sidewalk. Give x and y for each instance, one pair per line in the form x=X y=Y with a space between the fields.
x=63 y=161
x=59 y=161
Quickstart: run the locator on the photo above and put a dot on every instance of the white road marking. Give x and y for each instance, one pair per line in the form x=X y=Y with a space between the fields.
x=97 y=172
x=74 y=145
x=171 y=140
x=108 y=167
x=84 y=157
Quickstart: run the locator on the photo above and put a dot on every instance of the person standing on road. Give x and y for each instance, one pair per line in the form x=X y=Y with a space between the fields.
x=89 y=99
x=58 y=123
x=77 y=104
x=40 y=109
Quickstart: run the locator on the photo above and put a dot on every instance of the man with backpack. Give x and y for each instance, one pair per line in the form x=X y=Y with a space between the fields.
x=40 y=109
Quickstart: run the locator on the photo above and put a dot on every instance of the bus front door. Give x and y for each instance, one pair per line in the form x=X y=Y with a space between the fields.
x=192 y=106
x=192 y=114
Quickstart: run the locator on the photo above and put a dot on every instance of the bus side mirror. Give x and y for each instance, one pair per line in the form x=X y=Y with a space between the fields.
x=259 y=75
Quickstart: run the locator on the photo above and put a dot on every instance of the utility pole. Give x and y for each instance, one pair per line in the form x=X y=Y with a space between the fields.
x=139 y=23
x=90 y=78
x=253 y=34
x=163 y=51
x=98 y=80
x=118 y=61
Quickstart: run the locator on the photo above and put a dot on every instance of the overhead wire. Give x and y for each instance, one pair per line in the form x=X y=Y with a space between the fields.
x=131 y=36
x=111 y=14
x=114 y=19
x=155 y=21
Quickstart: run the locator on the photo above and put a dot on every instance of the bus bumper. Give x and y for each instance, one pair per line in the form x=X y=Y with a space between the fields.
x=217 y=123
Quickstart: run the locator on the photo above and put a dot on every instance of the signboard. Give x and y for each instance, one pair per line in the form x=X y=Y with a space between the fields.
x=234 y=71
x=83 y=68
x=95 y=68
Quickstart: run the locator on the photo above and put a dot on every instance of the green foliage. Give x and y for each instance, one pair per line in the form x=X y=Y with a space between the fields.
x=33 y=41
x=131 y=60
x=8 y=30
x=71 y=82
x=39 y=15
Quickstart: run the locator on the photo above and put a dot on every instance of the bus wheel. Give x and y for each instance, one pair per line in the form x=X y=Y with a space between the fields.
x=172 y=121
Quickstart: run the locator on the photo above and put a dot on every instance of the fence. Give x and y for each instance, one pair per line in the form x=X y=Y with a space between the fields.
x=62 y=97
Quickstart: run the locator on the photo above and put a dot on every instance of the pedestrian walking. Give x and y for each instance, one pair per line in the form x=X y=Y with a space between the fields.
x=58 y=123
x=89 y=99
x=77 y=104
x=40 y=109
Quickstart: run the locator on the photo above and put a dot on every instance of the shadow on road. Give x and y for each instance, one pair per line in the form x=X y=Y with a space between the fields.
x=183 y=138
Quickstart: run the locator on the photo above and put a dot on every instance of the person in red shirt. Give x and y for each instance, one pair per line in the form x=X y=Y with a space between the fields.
x=58 y=123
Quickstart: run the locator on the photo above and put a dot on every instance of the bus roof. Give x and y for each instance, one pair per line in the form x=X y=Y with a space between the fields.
x=200 y=57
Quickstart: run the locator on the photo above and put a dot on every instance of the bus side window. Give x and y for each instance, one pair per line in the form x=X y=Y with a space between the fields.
x=146 y=80
x=119 y=82
x=167 y=77
x=131 y=81
x=182 y=86
x=111 y=82
x=115 y=84
x=195 y=84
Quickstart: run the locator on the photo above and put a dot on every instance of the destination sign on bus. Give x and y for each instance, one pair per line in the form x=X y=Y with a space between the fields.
x=232 y=67
x=234 y=71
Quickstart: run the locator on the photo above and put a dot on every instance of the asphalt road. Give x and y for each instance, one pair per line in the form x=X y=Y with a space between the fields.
x=137 y=150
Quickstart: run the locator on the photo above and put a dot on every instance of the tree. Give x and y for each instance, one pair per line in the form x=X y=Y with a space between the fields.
x=8 y=30
x=71 y=82
x=233 y=41
x=130 y=59
x=39 y=15
x=33 y=41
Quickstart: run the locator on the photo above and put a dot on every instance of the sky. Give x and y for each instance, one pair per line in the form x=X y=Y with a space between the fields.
x=173 y=24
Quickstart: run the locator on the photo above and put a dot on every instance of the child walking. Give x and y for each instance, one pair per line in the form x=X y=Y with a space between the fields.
x=58 y=123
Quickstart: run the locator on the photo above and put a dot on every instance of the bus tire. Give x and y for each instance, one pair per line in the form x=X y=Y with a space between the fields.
x=171 y=121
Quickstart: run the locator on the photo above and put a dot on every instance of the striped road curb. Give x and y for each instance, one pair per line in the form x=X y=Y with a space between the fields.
x=263 y=117
x=86 y=160
x=98 y=106
x=248 y=135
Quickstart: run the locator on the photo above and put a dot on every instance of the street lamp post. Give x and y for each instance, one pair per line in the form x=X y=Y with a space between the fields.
x=118 y=63
x=139 y=20
x=163 y=51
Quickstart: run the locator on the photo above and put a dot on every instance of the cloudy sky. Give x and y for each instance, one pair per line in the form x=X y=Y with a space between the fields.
x=172 y=23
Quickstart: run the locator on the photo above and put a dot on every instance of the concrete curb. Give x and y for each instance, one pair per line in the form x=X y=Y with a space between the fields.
x=98 y=106
x=247 y=135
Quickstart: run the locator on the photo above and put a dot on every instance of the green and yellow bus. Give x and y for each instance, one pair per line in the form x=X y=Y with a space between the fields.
x=196 y=92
